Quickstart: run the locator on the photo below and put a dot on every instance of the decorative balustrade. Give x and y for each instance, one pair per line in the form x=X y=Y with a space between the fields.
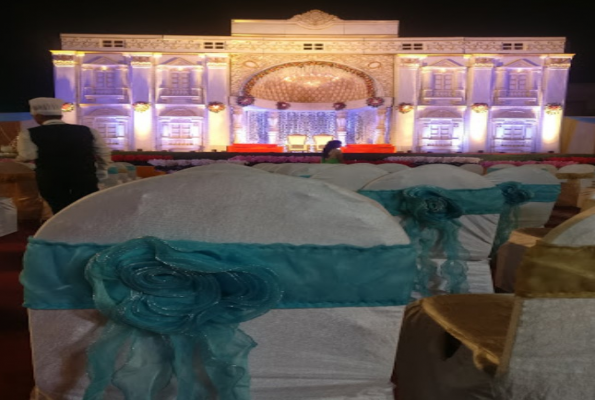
x=458 y=94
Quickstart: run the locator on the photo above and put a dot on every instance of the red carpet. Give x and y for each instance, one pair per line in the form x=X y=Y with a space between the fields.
x=16 y=375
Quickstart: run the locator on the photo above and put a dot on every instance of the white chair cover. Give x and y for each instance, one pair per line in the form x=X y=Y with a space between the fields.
x=393 y=167
x=496 y=167
x=475 y=168
x=477 y=232
x=8 y=217
x=532 y=214
x=323 y=353
x=232 y=168
x=311 y=169
x=352 y=177
x=548 y=167
x=548 y=353
x=291 y=169
x=266 y=166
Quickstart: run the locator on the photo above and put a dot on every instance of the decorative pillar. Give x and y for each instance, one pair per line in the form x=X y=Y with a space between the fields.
x=341 y=117
x=239 y=133
x=554 y=92
x=380 y=131
x=217 y=90
x=273 y=117
x=65 y=82
x=478 y=111
x=402 y=133
x=141 y=84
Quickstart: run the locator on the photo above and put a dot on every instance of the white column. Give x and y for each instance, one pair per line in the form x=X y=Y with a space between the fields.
x=555 y=83
x=217 y=89
x=341 y=117
x=273 y=117
x=480 y=93
x=65 y=73
x=402 y=131
x=380 y=125
x=239 y=132
x=141 y=85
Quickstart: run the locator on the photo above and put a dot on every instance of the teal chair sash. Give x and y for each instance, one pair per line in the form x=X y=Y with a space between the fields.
x=174 y=307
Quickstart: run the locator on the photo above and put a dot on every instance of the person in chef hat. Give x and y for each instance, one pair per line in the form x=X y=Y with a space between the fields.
x=68 y=158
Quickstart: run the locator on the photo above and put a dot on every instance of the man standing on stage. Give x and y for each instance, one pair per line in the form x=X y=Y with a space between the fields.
x=67 y=157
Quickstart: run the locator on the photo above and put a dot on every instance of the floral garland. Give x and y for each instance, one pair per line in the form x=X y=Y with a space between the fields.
x=480 y=107
x=244 y=101
x=339 y=106
x=553 y=108
x=67 y=107
x=216 y=106
x=404 y=108
x=282 y=105
x=141 y=106
x=375 y=101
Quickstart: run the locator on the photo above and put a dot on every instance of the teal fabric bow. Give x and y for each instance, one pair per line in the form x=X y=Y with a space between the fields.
x=515 y=194
x=174 y=313
x=432 y=219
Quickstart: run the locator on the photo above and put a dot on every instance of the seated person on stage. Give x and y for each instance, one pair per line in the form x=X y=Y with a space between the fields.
x=332 y=153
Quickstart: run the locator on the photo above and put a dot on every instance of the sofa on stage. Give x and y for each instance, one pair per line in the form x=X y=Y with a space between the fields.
x=368 y=148
x=255 y=148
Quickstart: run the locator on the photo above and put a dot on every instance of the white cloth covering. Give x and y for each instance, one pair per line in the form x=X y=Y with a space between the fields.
x=352 y=177
x=8 y=216
x=331 y=354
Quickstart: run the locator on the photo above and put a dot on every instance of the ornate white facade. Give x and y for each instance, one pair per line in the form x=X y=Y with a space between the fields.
x=311 y=74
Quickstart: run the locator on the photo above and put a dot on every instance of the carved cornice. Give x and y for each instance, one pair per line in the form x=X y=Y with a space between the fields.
x=410 y=62
x=315 y=19
x=244 y=66
x=559 y=62
x=217 y=62
x=332 y=45
x=483 y=62
x=64 y=60
x=141 y=61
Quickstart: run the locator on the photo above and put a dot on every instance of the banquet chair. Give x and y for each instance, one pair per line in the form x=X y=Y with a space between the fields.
x=497 y=167
x=392 y=167
x=309 y=169
x=530 y=194
x=548 y=167
x=268 y=167
x=321 y=140
x=297 y=142
x=231 y=167
x=475 y=168
x=352 y=177
x=333 y=279
x=536 y=344
x=575 y=180
x=443 y=204
x=289 y=168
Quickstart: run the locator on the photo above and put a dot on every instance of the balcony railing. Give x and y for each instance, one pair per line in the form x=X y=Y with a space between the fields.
x=443 y=94
x=517 y=94
x=107 y=92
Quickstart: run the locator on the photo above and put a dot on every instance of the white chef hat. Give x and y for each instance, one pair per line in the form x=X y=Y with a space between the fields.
x=46 y=106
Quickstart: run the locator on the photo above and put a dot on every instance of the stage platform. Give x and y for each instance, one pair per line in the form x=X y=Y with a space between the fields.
x=225 y=155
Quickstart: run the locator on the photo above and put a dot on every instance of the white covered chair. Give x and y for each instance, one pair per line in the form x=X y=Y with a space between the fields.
x=352 y=176
x=392 y=167
x=268 y=167
x=537 y=344
x=290 y=168
x=315 y=353
x=310 y=169
x=496 y=167
x=576 y=181
x=231 y=167
x=475 y=168
x=480 y=202
x=545 y=187
x=548 y=167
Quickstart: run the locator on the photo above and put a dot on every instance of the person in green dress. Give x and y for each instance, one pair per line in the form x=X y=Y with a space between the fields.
x=331 y=154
